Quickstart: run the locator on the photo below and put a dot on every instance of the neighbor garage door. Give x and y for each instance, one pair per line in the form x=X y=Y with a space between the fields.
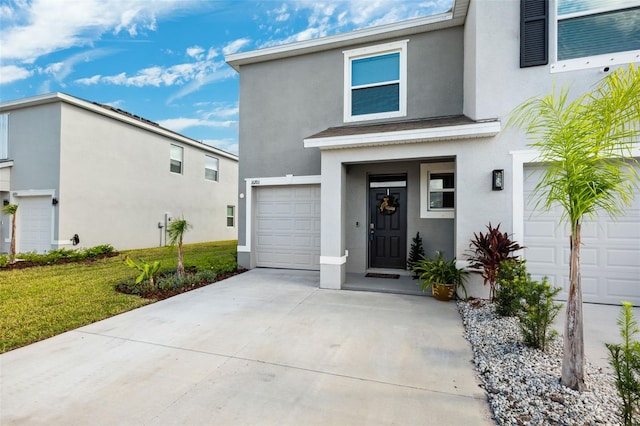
x=34 y=224
x=610 y=253
x=287 y=225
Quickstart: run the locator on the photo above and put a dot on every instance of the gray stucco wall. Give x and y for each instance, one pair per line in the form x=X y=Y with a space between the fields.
x=115 y=185
x=284 y=101
x=34 y=143
x=436 y=234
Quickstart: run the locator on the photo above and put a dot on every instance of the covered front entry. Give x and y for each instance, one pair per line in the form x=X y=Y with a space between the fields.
x=388 y=222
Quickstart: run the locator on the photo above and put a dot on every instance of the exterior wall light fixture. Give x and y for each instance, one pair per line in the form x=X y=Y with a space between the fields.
x=54 y=201
x=497 y=181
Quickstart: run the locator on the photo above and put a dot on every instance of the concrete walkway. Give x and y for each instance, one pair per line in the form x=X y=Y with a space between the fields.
x=265 y=347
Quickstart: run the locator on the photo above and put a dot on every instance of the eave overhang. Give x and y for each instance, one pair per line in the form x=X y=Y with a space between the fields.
x=394 y=134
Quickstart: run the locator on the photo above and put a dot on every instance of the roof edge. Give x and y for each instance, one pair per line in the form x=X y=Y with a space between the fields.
x=97 y=108
x=454 y=17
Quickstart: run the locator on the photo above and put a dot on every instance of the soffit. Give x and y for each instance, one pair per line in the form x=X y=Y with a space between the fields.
x=402 y=132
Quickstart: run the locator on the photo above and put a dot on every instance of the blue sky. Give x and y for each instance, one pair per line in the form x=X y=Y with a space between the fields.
x=164 y=59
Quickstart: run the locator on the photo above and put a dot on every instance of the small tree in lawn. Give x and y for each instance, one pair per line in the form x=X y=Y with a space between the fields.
x=11 y=210
x=586 y=146
x=416 y=253
x=176 y=230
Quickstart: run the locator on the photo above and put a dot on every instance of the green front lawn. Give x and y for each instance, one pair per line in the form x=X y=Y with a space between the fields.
x=40 y=302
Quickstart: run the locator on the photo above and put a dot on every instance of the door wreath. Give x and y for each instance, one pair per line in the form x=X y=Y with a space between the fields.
x=388 y=205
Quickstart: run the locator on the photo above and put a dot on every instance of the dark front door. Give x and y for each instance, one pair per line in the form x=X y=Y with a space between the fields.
x=387 y=226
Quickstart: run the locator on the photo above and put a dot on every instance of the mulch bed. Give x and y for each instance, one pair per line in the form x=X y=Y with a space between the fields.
x=159 y=294
x=22 y=264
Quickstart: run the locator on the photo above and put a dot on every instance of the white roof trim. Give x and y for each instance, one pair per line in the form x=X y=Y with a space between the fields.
x=5 y=163
x=323 y=43
x=463 y=131
x=62 y=97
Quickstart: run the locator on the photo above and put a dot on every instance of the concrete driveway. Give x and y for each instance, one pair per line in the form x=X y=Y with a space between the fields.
x=264 y=347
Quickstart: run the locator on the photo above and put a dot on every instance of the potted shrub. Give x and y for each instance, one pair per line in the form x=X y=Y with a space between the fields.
x=441 y=275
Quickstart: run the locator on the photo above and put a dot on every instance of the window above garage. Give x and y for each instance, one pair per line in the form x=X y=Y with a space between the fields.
x=375 y=82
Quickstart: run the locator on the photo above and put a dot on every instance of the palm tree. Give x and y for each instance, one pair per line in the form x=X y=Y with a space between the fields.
x=176 y=231
x=12 y=209
x=586 y=146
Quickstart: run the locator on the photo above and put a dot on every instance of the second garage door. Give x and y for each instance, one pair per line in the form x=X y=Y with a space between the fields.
x=34 y=224
x=610 y=253
x=287 y=225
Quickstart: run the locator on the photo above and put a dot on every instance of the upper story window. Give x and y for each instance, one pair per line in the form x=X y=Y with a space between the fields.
x=211 y=168
x=4 y=136
x=592 y=33
x=177 y=155
x=375 y=83
x=231 y=215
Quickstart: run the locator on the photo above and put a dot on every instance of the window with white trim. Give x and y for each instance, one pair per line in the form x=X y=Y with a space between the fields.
x=375 y=82
x=4 y=136
x=211 y=165
x=591 y=33
x=231 y=210
x=437 y=190
x=177 y=155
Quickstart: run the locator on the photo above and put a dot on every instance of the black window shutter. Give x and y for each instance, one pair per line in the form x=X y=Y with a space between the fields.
x=534 y=33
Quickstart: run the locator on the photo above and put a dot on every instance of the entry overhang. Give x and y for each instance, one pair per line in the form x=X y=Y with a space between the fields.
x=415 y=131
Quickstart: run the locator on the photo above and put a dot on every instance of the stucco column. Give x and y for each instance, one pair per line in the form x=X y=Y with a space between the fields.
x=332 y=213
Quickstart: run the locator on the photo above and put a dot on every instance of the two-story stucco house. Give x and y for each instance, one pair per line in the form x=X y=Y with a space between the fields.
x=352 y=143
x=77 y=168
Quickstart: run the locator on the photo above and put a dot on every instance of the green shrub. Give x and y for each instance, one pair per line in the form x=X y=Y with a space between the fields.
x=64 y=255
x=206 y=275
x=625 y=360
x=538 y=310
x=224 y=265
x=511 y=278
x=131 y=286
x=148 y=271
x=4 y=260
x=96 y=251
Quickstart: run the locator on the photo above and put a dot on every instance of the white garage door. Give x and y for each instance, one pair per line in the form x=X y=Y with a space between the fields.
x=288 y=227
x=610 y=252
x=34 y=224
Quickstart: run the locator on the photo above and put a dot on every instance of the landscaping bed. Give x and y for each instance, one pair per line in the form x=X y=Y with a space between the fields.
x=46 y=299
x=522 y=384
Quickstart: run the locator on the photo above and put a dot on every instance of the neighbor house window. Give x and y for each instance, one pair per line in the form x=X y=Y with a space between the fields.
x=4 y=136
x=375 y=82
x=605 y=32
x=177 y=155
x=437 y=190
x=231 y=215
x=211 y=168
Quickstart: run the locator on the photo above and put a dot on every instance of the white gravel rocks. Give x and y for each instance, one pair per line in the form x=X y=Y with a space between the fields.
x=522 y=384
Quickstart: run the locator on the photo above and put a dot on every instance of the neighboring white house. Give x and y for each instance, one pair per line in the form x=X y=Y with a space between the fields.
x=417 y=110
x=82 y=169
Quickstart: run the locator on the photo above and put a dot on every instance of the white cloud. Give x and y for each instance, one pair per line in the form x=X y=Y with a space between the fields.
x=335 y=16
x=60 y=70
x=36 y=28
x=89 y=80
x=12 y=73
x=235 y=46
x=195 y=52
x=222 y=72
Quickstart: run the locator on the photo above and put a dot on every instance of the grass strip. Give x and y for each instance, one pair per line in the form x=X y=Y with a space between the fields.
x=43 y=301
